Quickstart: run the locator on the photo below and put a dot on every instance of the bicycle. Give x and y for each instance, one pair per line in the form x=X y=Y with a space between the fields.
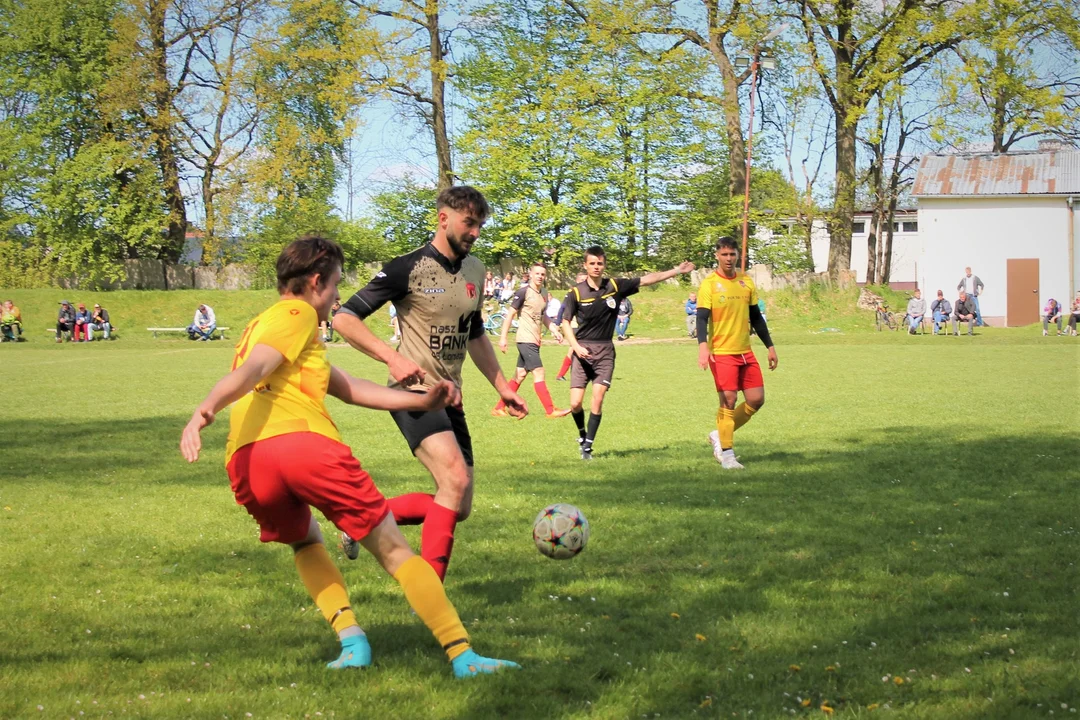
x=882 y=317
x=493 y=323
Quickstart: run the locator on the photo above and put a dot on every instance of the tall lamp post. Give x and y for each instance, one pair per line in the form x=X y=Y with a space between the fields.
x=765 y=62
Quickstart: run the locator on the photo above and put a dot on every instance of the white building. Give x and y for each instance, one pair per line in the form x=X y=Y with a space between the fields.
x=1010 y=217
x=905 y=255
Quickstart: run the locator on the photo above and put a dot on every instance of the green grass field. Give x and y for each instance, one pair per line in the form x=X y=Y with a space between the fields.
x=903 y=541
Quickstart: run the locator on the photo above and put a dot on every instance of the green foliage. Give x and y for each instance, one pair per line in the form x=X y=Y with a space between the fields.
x=405 y=217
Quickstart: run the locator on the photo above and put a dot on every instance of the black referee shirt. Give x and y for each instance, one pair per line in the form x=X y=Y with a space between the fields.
x=596 y=310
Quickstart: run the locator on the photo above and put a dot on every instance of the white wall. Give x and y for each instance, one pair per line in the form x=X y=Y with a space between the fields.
x=983 y=233
x=906 y=248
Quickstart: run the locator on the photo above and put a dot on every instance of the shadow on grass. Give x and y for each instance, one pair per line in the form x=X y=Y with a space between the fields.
x=889 y=555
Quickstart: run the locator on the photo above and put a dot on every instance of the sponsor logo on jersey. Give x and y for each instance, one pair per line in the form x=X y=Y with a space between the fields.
x=380 y=274
x=449 y=341
x=434 y=290
x=470 y=290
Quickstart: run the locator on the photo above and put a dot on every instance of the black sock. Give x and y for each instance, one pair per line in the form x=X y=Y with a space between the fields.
x=579 y=420
x=594 y=425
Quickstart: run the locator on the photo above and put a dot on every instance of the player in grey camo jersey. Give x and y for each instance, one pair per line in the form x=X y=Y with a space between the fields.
x=438 y=292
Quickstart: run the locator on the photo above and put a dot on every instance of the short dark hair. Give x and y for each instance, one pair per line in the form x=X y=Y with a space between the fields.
x=462 y=198
x=304 y=257
x=596 y=251
x=726 y=241
x=539 y=264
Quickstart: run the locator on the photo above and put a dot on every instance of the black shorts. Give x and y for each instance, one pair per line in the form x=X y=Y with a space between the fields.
x=529 y=356
x=599 y=367
x=416 y=426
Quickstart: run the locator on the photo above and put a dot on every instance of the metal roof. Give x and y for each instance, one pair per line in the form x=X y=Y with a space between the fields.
x=1020 y=173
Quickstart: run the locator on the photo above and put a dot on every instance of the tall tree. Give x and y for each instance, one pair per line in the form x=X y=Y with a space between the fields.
x=406 y=53
x=719 y=29
x=1020 y=75
x=856 y=50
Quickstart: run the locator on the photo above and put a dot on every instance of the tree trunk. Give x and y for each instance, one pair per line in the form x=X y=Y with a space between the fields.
x=844 y=203
x=871 y=249
x=161 y=127
x=733 y=127
x=209 y=243
x=630 y=197
x=438 y=98
x=887 y=272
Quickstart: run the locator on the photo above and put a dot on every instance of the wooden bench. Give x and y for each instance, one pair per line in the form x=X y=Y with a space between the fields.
x=99 y=333
x=156 y=330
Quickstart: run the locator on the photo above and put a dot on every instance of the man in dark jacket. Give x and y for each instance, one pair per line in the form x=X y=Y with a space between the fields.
x=941 y=309
x=65 y=320
x=99 y=320
x=963 y=312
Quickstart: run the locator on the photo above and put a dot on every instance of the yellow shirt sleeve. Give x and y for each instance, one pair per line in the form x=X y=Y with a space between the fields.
x=288 y=328
x=753 y=291
x=704 y=294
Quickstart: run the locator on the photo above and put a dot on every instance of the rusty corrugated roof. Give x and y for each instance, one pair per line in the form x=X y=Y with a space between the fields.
x=1020 y=173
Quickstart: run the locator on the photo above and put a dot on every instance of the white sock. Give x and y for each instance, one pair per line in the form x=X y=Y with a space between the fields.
x=730 y=452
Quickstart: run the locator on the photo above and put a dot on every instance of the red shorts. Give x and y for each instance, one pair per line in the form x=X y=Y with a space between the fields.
x=736 y=372
x=277 y=479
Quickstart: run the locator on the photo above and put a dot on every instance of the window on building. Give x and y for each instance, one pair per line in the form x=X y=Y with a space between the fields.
x=896 y=227
x=858 y=228
x=911 y=226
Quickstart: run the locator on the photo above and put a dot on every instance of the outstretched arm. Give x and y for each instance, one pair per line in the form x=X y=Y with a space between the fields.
x=365 y=393
x=653 y=278
x=262 y=361
x=359 y=335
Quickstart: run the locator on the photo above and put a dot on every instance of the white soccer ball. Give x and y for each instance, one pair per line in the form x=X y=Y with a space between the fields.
x=560 y=531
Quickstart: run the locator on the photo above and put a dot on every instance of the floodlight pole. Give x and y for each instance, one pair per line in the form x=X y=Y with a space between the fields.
x=755 y=62
x=749 y=156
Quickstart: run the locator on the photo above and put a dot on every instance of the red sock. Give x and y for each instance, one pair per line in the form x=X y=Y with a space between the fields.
x=514 y=385
x=437 y=538
x=544 y=395
x=410 y=509
x=565 y=366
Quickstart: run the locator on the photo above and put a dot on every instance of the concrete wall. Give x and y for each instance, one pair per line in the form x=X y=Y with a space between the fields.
x=985 y=232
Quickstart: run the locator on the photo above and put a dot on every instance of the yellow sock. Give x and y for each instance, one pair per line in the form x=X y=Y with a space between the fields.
x=325 y=585
x=743 y=413
x=725 y=425
x=426 y=596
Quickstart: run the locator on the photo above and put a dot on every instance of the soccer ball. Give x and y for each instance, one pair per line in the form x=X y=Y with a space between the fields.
x=560 y=531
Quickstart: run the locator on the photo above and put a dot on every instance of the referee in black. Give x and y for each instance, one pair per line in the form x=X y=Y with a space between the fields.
x=594 y=304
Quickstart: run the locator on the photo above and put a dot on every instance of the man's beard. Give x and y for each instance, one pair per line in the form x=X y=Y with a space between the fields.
x=457 y=245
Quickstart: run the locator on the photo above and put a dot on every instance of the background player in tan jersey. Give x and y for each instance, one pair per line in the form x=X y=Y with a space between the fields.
x=440 y=440
x=530 y=303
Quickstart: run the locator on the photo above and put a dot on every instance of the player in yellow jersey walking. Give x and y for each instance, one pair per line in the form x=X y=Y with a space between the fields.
x=726 y=308
x=284 y=454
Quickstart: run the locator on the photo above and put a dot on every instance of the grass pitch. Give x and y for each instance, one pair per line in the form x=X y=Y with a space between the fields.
x=904 y=540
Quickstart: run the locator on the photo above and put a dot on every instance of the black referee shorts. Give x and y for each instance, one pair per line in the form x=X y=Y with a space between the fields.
x=599 y=367
x=416 y=426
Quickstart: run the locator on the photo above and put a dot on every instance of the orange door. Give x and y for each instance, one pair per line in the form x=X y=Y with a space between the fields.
x=1022 y=287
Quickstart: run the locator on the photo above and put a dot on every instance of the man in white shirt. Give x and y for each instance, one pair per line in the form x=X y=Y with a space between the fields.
x=204 y=324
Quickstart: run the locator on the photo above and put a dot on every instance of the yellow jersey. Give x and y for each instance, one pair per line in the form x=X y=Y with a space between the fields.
x=290 y=399
x=728 y=301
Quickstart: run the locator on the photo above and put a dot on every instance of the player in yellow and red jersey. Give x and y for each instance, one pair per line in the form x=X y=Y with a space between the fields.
x=284 y=454
x=726 y=308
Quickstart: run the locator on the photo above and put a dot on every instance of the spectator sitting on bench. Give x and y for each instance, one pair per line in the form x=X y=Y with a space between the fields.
x=204 y=325
x=11 y=321
x=99 y=320
x=963 y=312
x=1052 y=313
x=941 y=309
x=65 y=320
x=82 y=324
x=916 y=311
